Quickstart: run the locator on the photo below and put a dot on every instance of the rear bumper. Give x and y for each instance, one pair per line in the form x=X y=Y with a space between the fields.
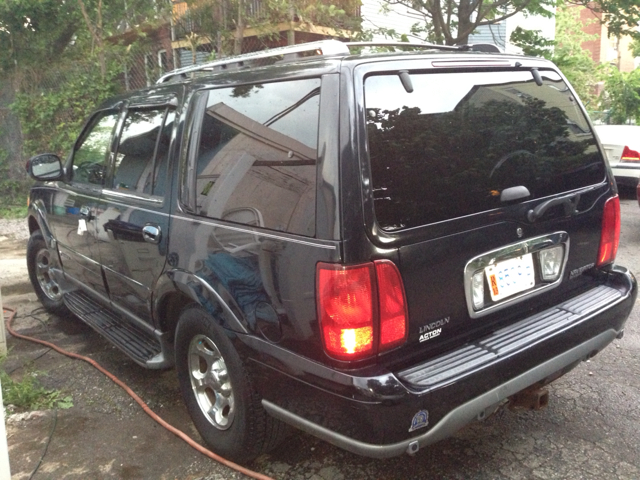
x=372 y=415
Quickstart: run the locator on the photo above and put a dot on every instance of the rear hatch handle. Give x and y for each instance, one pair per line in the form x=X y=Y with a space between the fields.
x=570 y=203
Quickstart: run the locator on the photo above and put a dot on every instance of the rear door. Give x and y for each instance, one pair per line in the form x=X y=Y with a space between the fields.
x=133 y=216
x=490 y=185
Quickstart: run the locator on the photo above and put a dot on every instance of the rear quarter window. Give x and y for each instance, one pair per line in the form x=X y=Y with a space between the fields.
x=257 y=155
x=451 y=146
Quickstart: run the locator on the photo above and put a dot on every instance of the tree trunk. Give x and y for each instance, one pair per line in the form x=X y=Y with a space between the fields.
x=291 y=34
x=465 y=26
x=239 y=34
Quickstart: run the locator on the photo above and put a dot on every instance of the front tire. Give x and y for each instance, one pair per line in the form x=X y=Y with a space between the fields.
x=218 y=392
x=39 y=264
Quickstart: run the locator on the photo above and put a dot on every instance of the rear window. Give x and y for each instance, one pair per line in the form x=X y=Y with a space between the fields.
x=451 y=146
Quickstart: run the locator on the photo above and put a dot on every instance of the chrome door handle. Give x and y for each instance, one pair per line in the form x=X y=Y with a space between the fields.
x=151 y=234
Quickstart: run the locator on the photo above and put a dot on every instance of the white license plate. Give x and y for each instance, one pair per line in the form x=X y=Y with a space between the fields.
x=510 y=277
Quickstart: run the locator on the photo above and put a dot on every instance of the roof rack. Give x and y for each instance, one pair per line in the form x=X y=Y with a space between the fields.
x=322 y=47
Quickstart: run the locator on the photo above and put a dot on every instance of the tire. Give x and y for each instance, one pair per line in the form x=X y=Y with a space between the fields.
x=217 y=390
x=39 y=262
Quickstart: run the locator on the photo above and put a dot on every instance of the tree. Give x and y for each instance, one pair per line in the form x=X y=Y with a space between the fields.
x=635 y=47
x=622 y=17
x=34 y=32
x=105 y=19
x=451 y=22
x=575 y=62
x=622 y=96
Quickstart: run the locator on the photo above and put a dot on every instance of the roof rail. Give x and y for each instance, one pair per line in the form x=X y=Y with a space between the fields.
x=322 y=47
x=403 y=44
x=479 y=47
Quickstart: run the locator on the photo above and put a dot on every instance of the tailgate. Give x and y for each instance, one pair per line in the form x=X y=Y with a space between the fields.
x=492 y=187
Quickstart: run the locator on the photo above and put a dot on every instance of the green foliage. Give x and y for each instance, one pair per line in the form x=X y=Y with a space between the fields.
x=28 y=394
x=33 y=32
x=575 y=62
x=622 y=17
x=622 y=96
x=532 y=43
x=635 y=47
x=52 y=120
x=13 y=192
x=565 y=51
x=451 y=22
x=10 y=212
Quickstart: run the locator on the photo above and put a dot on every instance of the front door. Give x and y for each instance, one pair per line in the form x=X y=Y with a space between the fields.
x=74 y=207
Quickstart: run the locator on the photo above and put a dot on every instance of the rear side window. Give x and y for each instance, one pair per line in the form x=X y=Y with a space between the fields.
x=256 y=156
x=451 y=146
x=141 y=159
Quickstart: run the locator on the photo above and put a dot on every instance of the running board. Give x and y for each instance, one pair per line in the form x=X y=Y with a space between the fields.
x=141 y=346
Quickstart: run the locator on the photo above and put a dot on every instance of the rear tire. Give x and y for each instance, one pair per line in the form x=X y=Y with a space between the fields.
x=39 y=263
x=218 y=392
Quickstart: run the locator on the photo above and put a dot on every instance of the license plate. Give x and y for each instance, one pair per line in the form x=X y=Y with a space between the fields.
x=510 y=277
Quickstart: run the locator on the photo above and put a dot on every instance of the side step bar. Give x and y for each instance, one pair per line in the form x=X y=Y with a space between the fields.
x=141 y=346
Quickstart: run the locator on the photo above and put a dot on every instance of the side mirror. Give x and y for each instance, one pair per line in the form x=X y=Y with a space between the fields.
x=46 y=166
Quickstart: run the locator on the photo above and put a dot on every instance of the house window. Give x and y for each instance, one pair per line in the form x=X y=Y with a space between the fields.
x=163 y=64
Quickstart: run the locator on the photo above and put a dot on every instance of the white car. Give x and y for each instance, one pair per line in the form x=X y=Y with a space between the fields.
x=622 y=147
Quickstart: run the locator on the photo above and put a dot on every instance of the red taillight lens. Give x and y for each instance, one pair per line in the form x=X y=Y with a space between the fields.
x=346 y=309
x=610 y=236
x=393 y=306
x=629 y=155
x=362 y=308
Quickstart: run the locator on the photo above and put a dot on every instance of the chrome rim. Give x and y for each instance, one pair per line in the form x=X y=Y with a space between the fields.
x=43 y=274
x=210 y=382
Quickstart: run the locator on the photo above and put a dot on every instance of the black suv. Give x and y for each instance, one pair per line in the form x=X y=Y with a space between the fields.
x=376 y=248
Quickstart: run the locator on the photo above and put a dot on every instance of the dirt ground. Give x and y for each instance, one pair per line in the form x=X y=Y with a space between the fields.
x=105 y=434
x=590 y=430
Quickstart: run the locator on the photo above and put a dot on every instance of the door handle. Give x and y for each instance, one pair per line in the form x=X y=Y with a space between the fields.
x=151 y=234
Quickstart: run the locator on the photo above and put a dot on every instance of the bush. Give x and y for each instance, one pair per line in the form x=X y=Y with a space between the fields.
x=51 y=120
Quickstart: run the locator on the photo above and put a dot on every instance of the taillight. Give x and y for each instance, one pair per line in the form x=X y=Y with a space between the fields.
x=345 y=309
x=610 y=235
x=629 y=155
x=393 y=305
x=361 y=308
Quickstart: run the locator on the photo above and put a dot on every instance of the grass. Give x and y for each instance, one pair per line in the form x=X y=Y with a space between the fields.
x=12 y=212
x=27 y=394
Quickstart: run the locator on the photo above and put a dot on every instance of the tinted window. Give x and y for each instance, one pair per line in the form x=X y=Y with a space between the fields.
x=90 y=157
x=256 y=159
x=449 y=148
x=142 y=152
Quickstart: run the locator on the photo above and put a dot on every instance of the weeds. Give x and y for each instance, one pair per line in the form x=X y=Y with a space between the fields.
x=12 y=212
x=28 y=394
